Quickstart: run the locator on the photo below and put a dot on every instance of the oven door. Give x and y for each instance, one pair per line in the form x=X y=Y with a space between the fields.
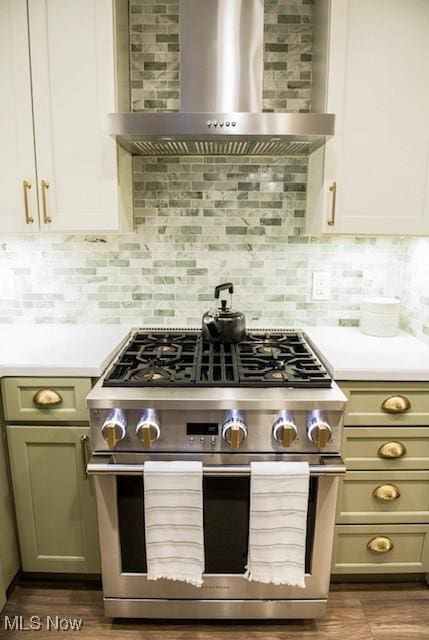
x=120 y=505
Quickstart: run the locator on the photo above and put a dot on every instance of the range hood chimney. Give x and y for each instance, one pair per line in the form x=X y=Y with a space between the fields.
x=221 y=71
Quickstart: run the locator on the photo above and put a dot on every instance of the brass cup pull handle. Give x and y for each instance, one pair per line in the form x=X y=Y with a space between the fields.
x=386 y=492
x=333 y=190
x=45 y=186
x=380 y=544
x=84 y=452
x=396 y=404
x=47 y=399
x=392 y=450
x=26 y=185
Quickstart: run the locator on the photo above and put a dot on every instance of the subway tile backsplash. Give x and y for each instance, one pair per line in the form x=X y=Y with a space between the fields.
x=201 y=221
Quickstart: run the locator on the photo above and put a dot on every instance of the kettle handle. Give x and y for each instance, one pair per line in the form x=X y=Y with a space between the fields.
x=221 y=287
x=212 y=328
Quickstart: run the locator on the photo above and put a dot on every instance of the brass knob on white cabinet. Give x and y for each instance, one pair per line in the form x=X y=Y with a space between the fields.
x=380 y=544
x=386 y=492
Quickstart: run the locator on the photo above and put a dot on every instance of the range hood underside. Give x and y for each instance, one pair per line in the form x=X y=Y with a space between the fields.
x=239 y=134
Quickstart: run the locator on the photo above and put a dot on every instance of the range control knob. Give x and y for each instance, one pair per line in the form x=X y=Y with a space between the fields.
x=148 y=429
x=319 y=432
x=114 y=428
x=284 y=431
x=234 y=431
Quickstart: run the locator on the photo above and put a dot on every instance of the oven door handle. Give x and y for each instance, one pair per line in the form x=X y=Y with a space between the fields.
x=104 y=466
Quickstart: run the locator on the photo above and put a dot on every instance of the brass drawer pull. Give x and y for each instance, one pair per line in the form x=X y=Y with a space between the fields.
x=386 y=492
x=45 y=186
x=26 y=185
x=333 y=190
x=380 y=544
x=396 y=404
x=84 y=452
x=47 y=398
x=392 y=450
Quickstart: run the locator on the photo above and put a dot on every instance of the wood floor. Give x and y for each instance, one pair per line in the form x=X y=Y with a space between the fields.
x=356 y=612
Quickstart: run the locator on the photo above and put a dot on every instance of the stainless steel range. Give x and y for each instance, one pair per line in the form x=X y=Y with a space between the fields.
x=172 y=395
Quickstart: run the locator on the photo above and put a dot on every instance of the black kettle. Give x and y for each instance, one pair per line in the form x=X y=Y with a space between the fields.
x=222 y=324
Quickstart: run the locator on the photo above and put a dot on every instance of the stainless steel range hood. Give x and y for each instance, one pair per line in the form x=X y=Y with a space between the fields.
x=221 y=69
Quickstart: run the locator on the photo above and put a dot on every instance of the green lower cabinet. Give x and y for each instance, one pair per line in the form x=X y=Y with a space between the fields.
x=401 y=549
x=393 y=497
x=55 y=502
x=9 y=554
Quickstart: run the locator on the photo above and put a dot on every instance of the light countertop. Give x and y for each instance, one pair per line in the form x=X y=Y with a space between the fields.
x=58 y=350
x=86 y=350
x=350 y=355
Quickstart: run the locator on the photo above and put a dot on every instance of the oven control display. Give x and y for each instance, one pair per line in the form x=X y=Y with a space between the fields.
x=202 y=429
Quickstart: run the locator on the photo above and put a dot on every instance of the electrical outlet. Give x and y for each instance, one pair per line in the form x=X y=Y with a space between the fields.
x=321 y=285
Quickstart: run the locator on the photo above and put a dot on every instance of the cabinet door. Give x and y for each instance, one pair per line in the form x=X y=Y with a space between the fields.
x=72 y=62
x=16 y=122
x=9 y=555
x=55 y=503
x=378 y=87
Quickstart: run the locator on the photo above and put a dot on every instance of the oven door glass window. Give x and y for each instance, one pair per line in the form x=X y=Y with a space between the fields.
x=226 y=524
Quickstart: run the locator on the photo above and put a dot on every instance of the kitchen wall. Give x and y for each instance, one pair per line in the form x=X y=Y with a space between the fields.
x=200 y=221
x=415 y=292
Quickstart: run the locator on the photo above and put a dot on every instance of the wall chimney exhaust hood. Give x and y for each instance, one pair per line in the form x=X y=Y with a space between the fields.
x=221 y=70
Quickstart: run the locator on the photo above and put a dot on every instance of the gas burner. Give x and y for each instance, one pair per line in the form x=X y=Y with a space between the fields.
x=265 y=359
x=268 y=350
x=161 y=352
x=149 y=373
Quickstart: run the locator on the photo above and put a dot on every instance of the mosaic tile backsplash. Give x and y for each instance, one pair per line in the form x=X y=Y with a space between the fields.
x=415 y=292
x=155 y=55
x=201 y=221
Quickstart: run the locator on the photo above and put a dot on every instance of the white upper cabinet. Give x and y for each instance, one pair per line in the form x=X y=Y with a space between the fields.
x=371 y=69
x=83 y=182
x=18 y=182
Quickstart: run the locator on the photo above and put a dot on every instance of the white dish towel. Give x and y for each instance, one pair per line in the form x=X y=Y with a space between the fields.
x=278 y=522
x=173 y=498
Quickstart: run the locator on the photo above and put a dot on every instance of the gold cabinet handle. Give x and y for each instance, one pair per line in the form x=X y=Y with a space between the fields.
x=45 y=186
x=396 y=404
x=47 y=398
x=84 y=452
x=392 y=450
x=26 y=185
x=380 y=544
x=333 y=190
x=386 y=492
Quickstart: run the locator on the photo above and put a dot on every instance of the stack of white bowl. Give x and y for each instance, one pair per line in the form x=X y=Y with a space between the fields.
x=379 y=316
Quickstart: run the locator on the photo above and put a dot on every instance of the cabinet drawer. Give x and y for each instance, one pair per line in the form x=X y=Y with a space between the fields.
x=365 y=403
x=23 y=399
x=410 y=552
x=408 y=493
x=361 y=447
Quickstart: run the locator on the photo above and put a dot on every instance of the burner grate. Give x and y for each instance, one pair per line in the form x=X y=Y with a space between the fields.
x=176 y=358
